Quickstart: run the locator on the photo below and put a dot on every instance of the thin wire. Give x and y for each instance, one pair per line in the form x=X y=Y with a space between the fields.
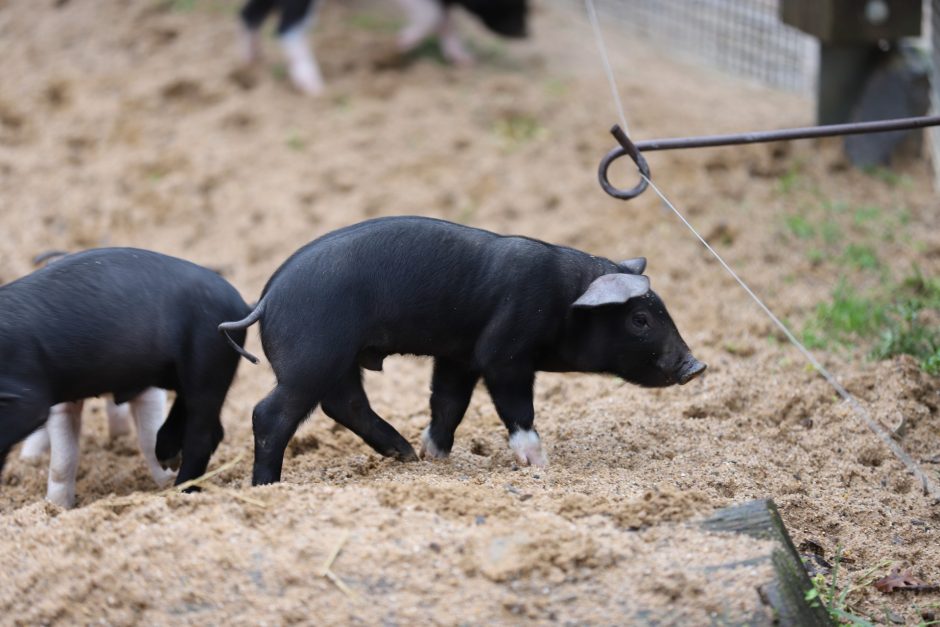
x=929 y=487
x=602 y=49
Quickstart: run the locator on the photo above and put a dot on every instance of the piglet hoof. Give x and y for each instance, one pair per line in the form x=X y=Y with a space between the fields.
x=172 y=464
x=429 y=450
x=163 y=477
x=61 y=495
x=456 y=55
x=406 y=456
x=306 y=81
x=527 y=448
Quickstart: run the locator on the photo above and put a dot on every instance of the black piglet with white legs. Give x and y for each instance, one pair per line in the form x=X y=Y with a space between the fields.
x=425 y=18
x=483 y=305
x=119 y=321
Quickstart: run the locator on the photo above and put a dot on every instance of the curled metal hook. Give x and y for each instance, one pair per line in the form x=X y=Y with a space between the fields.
x=626 y=147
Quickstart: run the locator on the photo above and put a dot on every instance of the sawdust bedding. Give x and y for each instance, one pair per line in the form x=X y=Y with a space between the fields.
x=142 y=133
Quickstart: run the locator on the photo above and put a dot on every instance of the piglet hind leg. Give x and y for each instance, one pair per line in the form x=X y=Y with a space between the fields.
x=35 y=446
x=252 y=15
x=424 y=16
x=119 y=418
x=64 y=425
x=512 y=394
x=348 y=405
x=149 y=410
x=202 y=432
x=274 y=421
x=451 y=390
x=168 y=447
x=20 y=418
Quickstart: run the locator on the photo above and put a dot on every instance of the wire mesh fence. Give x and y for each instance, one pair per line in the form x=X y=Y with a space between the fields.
x=743 y=37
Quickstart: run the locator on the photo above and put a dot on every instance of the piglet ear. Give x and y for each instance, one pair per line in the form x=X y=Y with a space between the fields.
x=613 y=289
x=634 y=266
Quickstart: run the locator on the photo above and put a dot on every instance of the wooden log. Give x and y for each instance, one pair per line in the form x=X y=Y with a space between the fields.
x=787 y=592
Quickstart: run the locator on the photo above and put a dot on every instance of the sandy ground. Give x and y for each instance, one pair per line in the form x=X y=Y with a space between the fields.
x=127 y=124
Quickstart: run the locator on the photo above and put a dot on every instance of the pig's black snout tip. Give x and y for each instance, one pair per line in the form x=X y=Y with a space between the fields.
x=690 y=369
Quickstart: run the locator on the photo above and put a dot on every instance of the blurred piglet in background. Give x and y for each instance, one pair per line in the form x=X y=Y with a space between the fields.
x=118 y=321
x=425 y=18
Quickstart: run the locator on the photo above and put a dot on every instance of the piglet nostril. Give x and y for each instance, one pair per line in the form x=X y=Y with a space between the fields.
x=691 y=368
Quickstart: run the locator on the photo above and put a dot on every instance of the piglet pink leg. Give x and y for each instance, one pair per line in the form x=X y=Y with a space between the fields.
x=64 y=425
x=149 y=410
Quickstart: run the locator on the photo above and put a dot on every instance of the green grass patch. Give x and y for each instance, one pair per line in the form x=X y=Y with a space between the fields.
x=834 y=206
x=898 y=320
x=518 y=128
x=791 y=179
x=861 y=257
x=831 y=232
x=217 y=7
x=800 y=227
x=833 y=593
x=848 y=316
x=888 y=176
x=866 y=214
x=429 y=50
x=182 y=5
x=374 y=23
x=909 y=331
x=837 y=232
x=556 y=87
x=296 y=142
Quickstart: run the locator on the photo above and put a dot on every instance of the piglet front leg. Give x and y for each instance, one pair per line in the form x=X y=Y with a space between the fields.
x=64 y=426
x=302 y=66
x=511 y=391
x=452 y=45
x=149 y=411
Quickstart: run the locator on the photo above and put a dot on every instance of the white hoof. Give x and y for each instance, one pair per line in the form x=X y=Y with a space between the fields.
x=306 y=79
x=302 y=65
x=527 y=448
x=163 y=478
x=61 y=494
x=428 y=449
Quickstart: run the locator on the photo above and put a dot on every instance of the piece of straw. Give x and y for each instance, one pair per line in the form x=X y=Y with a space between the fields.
x=326 y=569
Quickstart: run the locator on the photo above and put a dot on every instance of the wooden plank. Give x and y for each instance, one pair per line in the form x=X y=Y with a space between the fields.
x=787 y=593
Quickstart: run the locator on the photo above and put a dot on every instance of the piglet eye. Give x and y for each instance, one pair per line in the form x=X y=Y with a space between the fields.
x=639 y=319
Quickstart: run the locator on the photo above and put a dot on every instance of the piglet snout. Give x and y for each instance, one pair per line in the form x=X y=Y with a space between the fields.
x=689 y=369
